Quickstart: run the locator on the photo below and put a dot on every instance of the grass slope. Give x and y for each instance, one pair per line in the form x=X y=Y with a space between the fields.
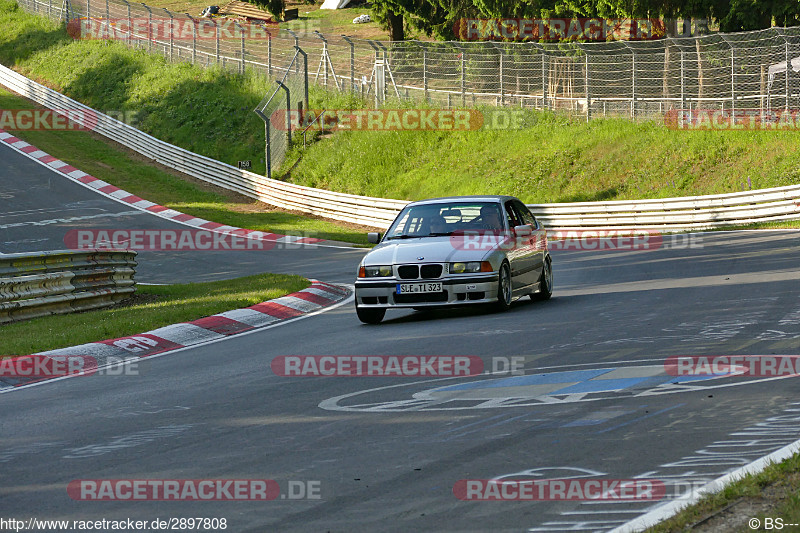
x=552 y=159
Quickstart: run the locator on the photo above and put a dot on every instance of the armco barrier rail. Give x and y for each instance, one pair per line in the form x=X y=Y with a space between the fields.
x=45 y=283
x=673 y=214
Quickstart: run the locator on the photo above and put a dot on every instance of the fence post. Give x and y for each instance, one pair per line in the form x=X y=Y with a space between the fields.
x=108 y=21
x=242 y=65
x=502 y=92
x=296 y=46
x=88 y=8
x=288 y=113
x=194 y=38
x=425 y=70
x=269 y=50
x=588 y=92
x=216 y=40
x=544 y=80
x=305 y=72
x=463 y=76
x=352 y=63
x=324 y=59
x=388 y=67
x=130 y=24
x=171 y=36
x=267 y=150
x=149 y=26
x=788 y=70
x=733 y=85
x=683 y=82
x=463 y=79
x=633 y=84
x=380 y=82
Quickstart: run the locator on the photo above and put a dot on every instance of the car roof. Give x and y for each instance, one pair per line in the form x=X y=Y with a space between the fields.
x=477 y=198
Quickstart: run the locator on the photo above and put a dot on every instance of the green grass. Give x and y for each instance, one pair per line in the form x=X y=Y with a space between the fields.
x=206 y=110
x=782 y=479
x=552 y=159
x=154 y=307
x=93 y=154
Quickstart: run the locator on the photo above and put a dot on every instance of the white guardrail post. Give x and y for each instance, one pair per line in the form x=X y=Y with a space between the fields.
x=670 y=214
x=46 y=283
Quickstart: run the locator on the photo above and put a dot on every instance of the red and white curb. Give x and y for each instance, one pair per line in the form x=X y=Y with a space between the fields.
x=203 y=330
x=124 y=197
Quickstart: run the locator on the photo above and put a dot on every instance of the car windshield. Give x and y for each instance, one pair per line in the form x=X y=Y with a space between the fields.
x=441 y=219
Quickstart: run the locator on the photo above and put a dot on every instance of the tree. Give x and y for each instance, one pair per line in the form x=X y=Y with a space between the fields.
x=275 y=7
x=431 y=17
x=438 y=17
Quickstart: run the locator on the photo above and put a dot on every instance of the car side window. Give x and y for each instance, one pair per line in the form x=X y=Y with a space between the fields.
x=513 y=217
x=525 y=213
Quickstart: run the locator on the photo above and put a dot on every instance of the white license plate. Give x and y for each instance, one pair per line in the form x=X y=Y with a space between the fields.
x=414 y=288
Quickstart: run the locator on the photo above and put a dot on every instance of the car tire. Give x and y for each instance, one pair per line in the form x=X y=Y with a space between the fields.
x=545 y=282
x=504 y=290
x=370 y=316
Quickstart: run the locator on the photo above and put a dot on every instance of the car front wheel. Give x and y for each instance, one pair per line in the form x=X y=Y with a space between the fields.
x=370 y=316
x=504 y=288
x=545 y=282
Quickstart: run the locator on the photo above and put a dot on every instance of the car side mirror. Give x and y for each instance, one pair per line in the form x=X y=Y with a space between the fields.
x=525 y=229
x=373 y=237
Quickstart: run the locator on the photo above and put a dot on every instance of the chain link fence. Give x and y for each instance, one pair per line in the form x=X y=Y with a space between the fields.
x=283 y=109
x=639 y=79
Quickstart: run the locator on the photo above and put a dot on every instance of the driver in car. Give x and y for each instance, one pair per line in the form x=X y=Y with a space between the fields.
x=438 y=224
x=490 y=218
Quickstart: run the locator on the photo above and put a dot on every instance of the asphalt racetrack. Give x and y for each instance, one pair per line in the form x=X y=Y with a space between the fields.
x=591 y=401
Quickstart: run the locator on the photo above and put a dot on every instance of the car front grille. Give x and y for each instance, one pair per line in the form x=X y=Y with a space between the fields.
x=408 y=271
x=431 y=271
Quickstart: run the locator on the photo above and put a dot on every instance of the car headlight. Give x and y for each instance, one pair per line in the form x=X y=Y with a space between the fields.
x=471 y=267
x=381 y=271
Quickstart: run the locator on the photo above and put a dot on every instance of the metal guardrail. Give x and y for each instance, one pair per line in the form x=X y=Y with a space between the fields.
x=374 y=212
x=672 y=214
x=45 y=283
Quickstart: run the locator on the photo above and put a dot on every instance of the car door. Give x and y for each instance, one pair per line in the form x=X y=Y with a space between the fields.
x=517 y=250
x=536 y=244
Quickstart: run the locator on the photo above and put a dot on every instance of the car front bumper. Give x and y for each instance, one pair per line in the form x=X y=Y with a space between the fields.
x=471 y=289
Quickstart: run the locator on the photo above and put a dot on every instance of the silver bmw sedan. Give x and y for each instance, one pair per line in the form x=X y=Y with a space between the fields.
x=460 y=250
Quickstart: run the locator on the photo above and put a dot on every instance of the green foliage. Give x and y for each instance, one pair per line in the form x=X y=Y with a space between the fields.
x=437 y=17
x=275 y=7
x=551 y=159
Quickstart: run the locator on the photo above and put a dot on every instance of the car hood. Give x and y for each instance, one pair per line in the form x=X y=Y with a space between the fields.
x=431 y=249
